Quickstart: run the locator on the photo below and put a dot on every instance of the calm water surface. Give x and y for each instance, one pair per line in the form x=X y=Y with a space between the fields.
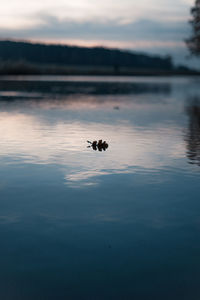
x=82 y=224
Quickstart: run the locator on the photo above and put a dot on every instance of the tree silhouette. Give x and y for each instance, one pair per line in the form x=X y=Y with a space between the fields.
x=26 y=52
x=193 y=42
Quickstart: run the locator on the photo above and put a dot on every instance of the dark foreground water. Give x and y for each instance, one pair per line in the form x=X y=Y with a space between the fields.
x=82 y=224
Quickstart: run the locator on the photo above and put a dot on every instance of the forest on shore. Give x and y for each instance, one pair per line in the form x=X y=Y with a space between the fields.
x=17 y=57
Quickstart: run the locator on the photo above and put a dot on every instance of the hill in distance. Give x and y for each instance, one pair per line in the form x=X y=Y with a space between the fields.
x=17 y=57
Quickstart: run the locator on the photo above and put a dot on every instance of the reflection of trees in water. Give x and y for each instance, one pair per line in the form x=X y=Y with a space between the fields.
x=63 y=88
x=193 y=133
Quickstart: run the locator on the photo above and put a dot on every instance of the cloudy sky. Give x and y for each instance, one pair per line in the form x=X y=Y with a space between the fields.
x=153 y=26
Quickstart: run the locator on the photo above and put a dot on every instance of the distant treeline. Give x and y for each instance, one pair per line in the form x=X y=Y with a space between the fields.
x=30 y=58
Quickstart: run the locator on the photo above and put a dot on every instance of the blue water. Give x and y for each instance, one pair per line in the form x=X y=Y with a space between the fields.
x=76 y=223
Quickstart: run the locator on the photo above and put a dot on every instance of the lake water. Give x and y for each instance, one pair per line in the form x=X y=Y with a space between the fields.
x=76 y=223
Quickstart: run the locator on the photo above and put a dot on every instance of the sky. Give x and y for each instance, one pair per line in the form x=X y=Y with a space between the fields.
x=150 y=26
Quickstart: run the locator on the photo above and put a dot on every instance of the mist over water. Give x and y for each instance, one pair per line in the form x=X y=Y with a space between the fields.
x=82 y=224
